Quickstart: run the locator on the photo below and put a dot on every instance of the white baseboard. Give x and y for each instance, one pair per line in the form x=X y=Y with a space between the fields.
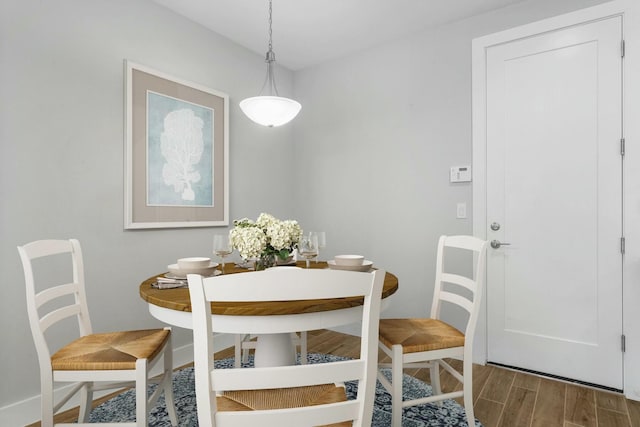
x=27 y=411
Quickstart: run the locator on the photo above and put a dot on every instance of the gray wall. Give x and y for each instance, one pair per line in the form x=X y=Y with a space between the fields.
x=367 y=160
x=383 y=127
x=61 y=153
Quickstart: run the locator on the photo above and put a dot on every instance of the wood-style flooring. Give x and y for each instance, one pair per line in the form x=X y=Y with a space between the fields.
x=502 y=398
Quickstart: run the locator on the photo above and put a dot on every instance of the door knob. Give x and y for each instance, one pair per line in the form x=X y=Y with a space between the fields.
x=495 y=244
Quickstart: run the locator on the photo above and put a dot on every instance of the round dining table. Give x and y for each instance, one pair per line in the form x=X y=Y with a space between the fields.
x=173 y=306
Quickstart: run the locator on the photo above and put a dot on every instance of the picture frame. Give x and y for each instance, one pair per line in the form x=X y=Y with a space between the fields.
x=176 y=152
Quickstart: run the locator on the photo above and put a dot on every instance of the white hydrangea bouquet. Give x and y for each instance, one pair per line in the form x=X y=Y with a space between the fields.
x=267 y=239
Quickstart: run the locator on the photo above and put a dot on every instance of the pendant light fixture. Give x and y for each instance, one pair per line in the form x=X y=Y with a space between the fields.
x=268 y=108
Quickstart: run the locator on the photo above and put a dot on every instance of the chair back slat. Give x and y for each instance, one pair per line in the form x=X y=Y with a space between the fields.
x=44 y=248
x=47 y=295
x=53 y=317
x=308 y=416
x=459 y=280
x=289 y=376
x=465 y=242
x=457 y=300
x=50 y=294
x=285 y=284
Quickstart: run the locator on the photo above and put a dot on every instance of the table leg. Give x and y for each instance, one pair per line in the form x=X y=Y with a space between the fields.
x=274 y=350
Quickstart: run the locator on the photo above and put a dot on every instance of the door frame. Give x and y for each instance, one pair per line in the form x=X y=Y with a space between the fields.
x=630 y=14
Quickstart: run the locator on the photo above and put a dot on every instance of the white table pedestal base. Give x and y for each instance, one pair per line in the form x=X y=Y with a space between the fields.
x=274 y=350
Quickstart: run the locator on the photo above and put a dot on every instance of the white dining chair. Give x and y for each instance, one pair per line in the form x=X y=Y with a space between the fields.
x=94 y=361
x=426 y=342
x=297 y=395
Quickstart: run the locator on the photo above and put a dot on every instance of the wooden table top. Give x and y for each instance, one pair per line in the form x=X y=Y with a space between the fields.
x=178 y=298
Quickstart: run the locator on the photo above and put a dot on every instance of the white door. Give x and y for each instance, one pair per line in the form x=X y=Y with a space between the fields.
x=554 y=193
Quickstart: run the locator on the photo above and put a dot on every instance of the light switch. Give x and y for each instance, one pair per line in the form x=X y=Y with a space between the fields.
x=461 y=210
x=460 y=174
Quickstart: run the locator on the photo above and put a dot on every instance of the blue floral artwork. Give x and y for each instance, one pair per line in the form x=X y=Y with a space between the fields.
x=179 y=152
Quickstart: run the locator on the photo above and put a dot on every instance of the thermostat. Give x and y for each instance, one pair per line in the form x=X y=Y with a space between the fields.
x=460 y=174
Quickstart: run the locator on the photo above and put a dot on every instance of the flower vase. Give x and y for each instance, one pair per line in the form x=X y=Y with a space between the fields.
x=266 y=261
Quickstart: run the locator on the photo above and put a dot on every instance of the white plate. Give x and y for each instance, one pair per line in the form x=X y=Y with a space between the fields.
x=181 y=273
x=366 y=266
x=184 y=276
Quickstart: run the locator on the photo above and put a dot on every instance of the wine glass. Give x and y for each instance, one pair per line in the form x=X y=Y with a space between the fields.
x=322 y=241
x=308 y=247
x=221 y=247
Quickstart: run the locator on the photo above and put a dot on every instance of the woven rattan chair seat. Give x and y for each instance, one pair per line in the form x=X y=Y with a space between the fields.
x=282 y=398
x=416 y=335
x=112 y=350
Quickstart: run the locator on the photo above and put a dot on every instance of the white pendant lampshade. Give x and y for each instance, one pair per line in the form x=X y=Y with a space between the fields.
x=270 y=109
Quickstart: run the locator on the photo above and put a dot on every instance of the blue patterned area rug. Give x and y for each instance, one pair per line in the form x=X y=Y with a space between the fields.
x=122 y=407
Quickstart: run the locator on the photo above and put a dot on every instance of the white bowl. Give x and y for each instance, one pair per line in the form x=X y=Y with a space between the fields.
x=365 y=266
x=351 y=260
x=176 y=271
x=193 y=262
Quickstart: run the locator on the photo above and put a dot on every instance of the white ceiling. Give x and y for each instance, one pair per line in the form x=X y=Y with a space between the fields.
x=309 y=32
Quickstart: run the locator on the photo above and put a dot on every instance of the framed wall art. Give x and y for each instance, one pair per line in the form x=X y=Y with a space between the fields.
x=177 y=152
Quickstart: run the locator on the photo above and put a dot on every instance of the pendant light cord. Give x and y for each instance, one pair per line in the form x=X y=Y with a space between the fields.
x=270 y=81
x=270 y=30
